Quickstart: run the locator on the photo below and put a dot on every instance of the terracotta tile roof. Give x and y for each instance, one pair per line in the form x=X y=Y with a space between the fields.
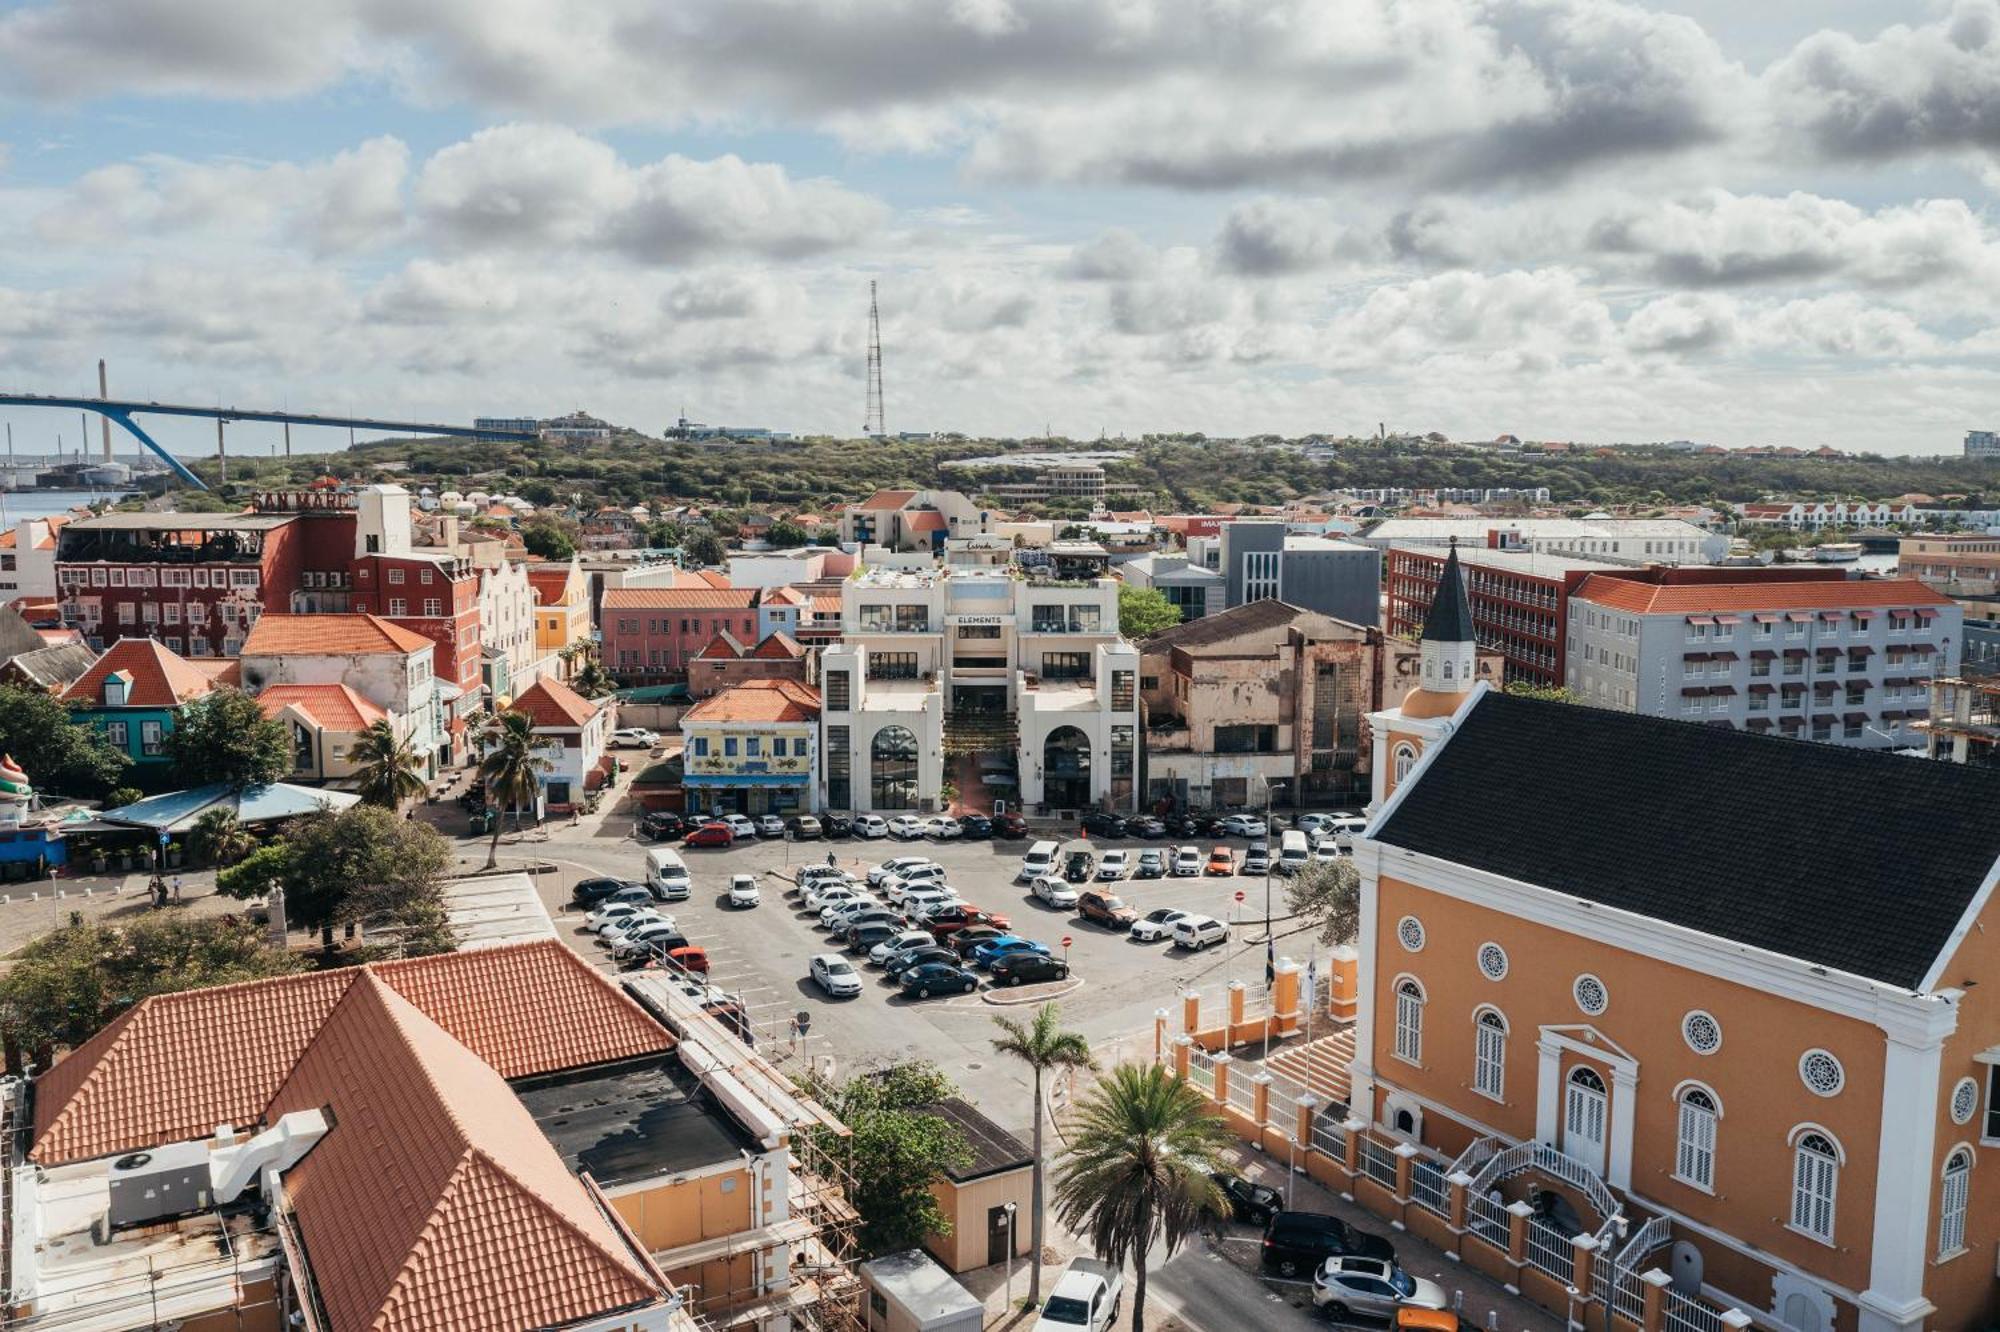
x=758 y=701
x=157 y=1075
x=723 y=647
x=159 y=678
x=714 y=577
x=1689 y=598
x=778 y=647
x=928 y=520
x=680 y=598
x=548 y=702
x=828 y=605
x=887 y=499
x=784 y=596
x=435 y=1204
x=220 y=670
x=549 y=584
x=329 y=635
x=334 y=707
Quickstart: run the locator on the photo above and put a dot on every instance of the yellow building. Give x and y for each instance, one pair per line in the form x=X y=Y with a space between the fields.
x=562 y=608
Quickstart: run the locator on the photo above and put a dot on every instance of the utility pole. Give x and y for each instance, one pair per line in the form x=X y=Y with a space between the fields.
x=873 y=424
x=221 y=458
x=288 y=439
x=104 y=394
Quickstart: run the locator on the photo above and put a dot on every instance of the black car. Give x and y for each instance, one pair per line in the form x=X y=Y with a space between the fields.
x=1145 y=826
x=1080 y=867
x=916 y=957
x=875 y=916
x=975 y=825
x=964 y=941
x=1252 y=1204
x=1296 y=1243
x=862 y=937
x=589 y=892
x=836 y=825
x=931 y=978
x=1020 y=968
x=1100 y=824
x=661 y=825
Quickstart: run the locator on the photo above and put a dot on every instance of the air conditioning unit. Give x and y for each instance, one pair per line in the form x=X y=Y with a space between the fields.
x=159 y=1184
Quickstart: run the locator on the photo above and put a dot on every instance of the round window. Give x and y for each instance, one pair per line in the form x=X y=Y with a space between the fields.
x=1410 y=931
x=1591 y=996
x=1821 y=1073
x=1492 y=961
x=1964 y=1100
x=1702 y=1032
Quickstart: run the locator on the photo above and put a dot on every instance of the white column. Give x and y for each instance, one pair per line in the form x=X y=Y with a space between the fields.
x=1361 y=1069
x=1548 y=1091
x=1624 y=1105
x=1905 y=1170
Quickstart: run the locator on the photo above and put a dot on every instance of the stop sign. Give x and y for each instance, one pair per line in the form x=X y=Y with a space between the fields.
x=1239 y=894
x=1065 y=941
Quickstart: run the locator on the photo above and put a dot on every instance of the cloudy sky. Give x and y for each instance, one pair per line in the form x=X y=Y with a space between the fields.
x=1770 y=221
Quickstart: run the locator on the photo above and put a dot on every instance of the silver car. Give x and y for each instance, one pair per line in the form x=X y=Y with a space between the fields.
x=1372 y=1286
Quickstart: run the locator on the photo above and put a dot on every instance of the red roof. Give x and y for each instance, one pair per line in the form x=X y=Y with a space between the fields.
x=680 y=598
x=329 y=636
x=758 y=701
x=159 y=678
x=928 y=520
x=1684 y=598
x=549 y=584
x=551 y=704
x=334 y=707
x=778 y=647
x=723 y=647
x=887 y=499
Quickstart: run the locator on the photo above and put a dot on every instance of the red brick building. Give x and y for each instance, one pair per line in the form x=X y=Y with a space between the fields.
x=653 y=633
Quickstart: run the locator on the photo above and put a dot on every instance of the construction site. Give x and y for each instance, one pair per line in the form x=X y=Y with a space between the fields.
x=1964 y=725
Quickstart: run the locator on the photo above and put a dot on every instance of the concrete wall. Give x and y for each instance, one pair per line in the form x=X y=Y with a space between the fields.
x=966 y=1206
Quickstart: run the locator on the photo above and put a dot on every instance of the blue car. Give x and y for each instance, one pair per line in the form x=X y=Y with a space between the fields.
x=929 y=978
x=982 y=956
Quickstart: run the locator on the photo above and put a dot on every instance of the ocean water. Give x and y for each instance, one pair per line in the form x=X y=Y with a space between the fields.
x=16 y=505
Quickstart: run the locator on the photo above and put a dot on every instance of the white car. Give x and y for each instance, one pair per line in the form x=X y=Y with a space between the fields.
x=819 y=876
x=634 y=737
x=1244 y=825
x=923 y=876
x=943 y=828
x=870 y=826
x=1156 y=924
x=823 y=895
x=1054 y=891
x=907 y=826
x=611 y=911
x=1347 y=827
x=896 y=867
x=1344 y=1287
x=644 y=940
x=835 y=974
x=1187 y=862
x=1115 y=865
x=740 y=824
x=921 y=902
x=743 y=890
x=611 y=931
x=836 y=918
x=1313 y=825
x=1326 y=853
x=771 y=825
x=895 y=944
x=1195 y=933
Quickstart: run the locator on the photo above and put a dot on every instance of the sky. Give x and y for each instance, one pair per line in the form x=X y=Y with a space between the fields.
x=1743 y=223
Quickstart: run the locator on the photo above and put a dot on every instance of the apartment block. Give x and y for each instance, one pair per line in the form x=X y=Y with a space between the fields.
x=1520 y=602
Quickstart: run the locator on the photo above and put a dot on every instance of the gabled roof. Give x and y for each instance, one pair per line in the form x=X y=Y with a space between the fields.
x=680 y=598
x=1858 y=861
x=778 y=646
x=157 y=1073
x=54 y=667
x=159 y=678
x=1644 y=598
x=332 y=707
x=886 y=500
x=1251 y=619
x=329 y=636
x=758 y=701
x=723 y=647
x=550 y=584
x=549 y=703
x=928 y=520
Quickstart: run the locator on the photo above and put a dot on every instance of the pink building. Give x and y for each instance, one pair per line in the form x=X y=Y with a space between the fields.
x=653 y=633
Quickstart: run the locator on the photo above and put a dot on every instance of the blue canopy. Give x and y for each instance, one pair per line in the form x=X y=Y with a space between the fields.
x=176 y=811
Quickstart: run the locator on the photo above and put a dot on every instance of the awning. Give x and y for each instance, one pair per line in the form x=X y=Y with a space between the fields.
x=1832 y=617
x=1796 y=653
x=1923 y=649
x=1759 y=723
x=1791 y=723
x=1694 y=656
x=1864 y=615
x=1799 y=617
x=1729 y=619
x=1852 y=717
x=1762 y=689
x=1926 y=613
x=1762 y=654
x=1860 y=651
x=1825 y=687
x=1767 y=617
x=1694 y=691
x=1723 y=689
x=1827 y=650
x=1722 y=656
x=1793 y=688
x=1701 y=619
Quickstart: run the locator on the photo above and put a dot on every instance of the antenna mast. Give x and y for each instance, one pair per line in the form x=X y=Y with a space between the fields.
x=873 y=425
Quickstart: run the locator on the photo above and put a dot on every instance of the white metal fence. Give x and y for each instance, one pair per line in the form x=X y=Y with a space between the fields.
x=1686 y=1315
x=1427 y=1187
x=1552 y=1251
x=1330 y=1136
x=1201 y=1070
x=1487 y=1218
x=1242 y=1089
x=1378 y=1162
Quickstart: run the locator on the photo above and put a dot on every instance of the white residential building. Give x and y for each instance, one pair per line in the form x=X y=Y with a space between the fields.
x=1640 y=540
x=386 y=664
x=511 y=660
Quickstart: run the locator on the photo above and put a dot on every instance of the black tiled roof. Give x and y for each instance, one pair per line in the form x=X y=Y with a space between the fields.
x=1449 y=619
x=1855 y=860
x=994 y=1150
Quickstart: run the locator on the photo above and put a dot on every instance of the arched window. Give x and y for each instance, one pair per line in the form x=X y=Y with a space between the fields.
x=1447 y=668
x=1406 y=758
x=1694 y=1162
x=1409 y=1021
x=1815 y=1176
x=892 y=769
x=1953 y=1199
x=1489 y=1057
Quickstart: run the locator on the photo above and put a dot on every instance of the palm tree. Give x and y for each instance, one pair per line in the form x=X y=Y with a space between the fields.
x=511 y=770
x=387 y=769
x=1044 y=1047
x=1138 y=1173
x=218 y=838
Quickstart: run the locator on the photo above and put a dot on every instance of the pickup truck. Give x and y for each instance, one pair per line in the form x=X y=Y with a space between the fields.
x=1084 y=1299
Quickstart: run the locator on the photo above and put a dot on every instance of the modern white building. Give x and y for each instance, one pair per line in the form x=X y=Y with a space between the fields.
x=992 y=662
x=1640 y=540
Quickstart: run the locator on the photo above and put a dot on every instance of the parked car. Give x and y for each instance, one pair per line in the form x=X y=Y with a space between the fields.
x=1106 y=909
x=916 y=957
x=949 y=920
x=902 y=941
x=833 y=892
x=743 y=825
x=686 y=958
x=1314 y=825
x=1054 y=892
x=917 y=876
x=1028 y=968
x=1152 y=864
x=657 y=937
x=1145 y=826
x=1194 y=932
x=1040 y=860
x=1372 y=1287
x=743 y=890
x=591 y=892
x=611 y=931
x=837 y=825
x=667 y=875
x=1084 y=1298
x=661 y=824
x=1097 y=823
x=1220 y=862
x=803 y=827
x=993 y=950
x=920 y=902
x=1079 y=866
x=711 y=834
x=1187 y=862
x=863 y=936
x=964 y=941
x=838 y=920
x=835 y=975
x=833 y=916
x=1327 y=853
x=931 y=978
x=943 y=828
x=1115 y=866
x=895 y=867
x=1257 y=860
x=612 y=909
x=870 y=826
x=1347 y=827
x=1244 y=825
x=634 y=737
x=1010 y=827
x=1298 y=1242
x=1156 y=924
x=975 y=825
x=1252 y=1204
x=906 y=826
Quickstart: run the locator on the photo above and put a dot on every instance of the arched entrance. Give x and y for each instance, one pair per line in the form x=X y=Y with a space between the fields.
x=892 y=769
x=1584 y=1118
x=1066 y=769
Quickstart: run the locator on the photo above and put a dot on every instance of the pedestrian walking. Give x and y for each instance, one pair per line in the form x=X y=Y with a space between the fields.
x=831 y=863
x=177 y=890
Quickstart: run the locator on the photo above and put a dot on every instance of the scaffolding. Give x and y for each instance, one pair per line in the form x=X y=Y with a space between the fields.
x=1964 y=725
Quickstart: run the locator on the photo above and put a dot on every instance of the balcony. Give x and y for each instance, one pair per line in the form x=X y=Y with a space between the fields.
x=1176 y=739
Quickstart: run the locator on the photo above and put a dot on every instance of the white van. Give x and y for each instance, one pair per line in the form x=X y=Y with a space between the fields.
x=1040 y=860
x=1294 y=851
x=1347 y=827
x=667 y=875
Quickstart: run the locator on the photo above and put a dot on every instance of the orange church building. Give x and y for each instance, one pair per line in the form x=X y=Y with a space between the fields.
x=1695 y=1015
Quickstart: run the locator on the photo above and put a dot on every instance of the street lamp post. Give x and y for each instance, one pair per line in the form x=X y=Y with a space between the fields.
x=1010 y=1254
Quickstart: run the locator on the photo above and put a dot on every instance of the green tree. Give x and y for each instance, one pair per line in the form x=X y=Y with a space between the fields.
x=549 y=537
x=224 y=736
x=786 y=535
x=66 y=985
x=123 y=796
x=387 y=770
x=59 y=754
x=511 y=769
x=702 y=548
x=1144 y=610
x=362 y=865
x=1045 y=1048
x=588 y=676
x=897 y=1150
x=1138 y=1172
x=1326 y=896
x=1546 y=693
x=219 y=838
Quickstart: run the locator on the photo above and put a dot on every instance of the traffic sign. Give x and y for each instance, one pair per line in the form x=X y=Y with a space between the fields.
x=1239 y=896
x=1065 y=941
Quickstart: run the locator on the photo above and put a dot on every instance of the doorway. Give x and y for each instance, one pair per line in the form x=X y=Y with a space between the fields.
x=1686 y=1265
x=1584 y=1118
x=997 y=1235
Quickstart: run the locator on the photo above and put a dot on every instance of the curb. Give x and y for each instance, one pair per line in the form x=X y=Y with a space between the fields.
x=1009 y=997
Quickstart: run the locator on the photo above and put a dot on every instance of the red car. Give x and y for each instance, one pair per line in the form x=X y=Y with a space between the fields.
x=688 y=959
x=711 y=834
x=950 y=920
x=1220 y=861
x=1011 y=826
